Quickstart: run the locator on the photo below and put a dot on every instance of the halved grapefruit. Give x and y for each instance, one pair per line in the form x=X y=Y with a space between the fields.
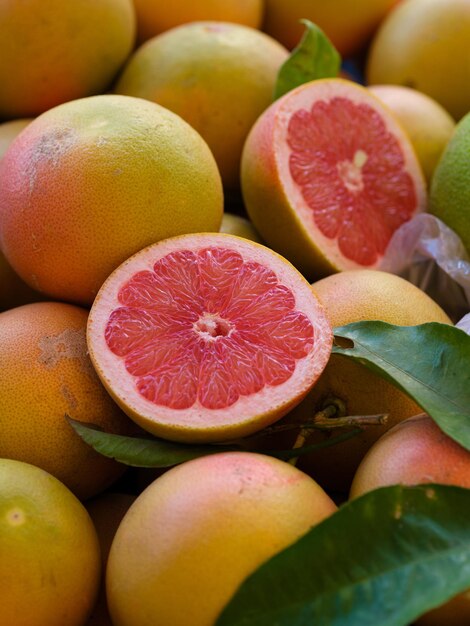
x=207 y=337
x=328 y=175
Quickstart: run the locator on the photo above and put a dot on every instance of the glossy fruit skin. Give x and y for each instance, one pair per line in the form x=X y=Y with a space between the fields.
x=45 y=375
x=192 y=536
x=414 y=452
x=449 y=199
x=154 y=18
x=417 y=46
x=348 y=25
x=53 y=51
x=217 y=76
x=355 y=296
x=427 y=123
x=50 y=564
x=92 y=181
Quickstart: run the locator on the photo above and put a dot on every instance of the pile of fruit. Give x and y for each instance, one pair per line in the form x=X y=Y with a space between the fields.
x=216 y=407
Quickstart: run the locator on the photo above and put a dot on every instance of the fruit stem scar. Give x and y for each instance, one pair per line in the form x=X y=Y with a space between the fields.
x=15 y=517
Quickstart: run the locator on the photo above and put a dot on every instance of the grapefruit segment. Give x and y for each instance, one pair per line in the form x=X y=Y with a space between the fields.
x=336 y=173
x=207 y=337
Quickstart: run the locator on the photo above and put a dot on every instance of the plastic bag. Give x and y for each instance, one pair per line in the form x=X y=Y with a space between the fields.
x=430 y=255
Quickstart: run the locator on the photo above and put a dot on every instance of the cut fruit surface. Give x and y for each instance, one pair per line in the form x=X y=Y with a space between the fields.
x=328 y=175
x=207 y=337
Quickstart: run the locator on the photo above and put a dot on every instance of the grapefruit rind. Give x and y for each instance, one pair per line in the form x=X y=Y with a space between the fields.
x=267 y=182
x=196 y=423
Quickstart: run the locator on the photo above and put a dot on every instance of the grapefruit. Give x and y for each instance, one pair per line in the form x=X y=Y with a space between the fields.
x=198 y=531
x=427 y=123
x=155 y=17
x=450 y=190
x=50 y=557
x=218 y=76
x=414 y=452
x=53 y=51
x=92 y=181
x=328 y=175
x=240 y=226
x=348 y=25
x=106 y=512
x=207 y=337
x=423 y=44
x=45 y=373
x=355 y=296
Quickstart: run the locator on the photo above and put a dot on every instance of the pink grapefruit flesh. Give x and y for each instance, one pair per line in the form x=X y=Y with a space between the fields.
x=207 y=337
x=328 y=175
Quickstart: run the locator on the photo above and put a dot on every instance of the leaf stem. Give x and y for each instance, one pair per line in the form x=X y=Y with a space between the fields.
x=329 y=423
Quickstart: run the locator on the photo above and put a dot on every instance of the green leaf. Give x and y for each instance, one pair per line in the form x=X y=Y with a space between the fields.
x=139 y=451
x=383 y=559
x=315 y=57
x=153 y=452
x=430 y=363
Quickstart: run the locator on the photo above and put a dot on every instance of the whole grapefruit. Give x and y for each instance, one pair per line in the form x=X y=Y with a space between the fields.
x=199 y=530
x=92 y=181
x=53 y=51
x=355 y=296
x=423 y=44
x=50 y=557
x=218 y=76
x=413 y=452
x=348 y=25
x=46 y=374
x=155 y=17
